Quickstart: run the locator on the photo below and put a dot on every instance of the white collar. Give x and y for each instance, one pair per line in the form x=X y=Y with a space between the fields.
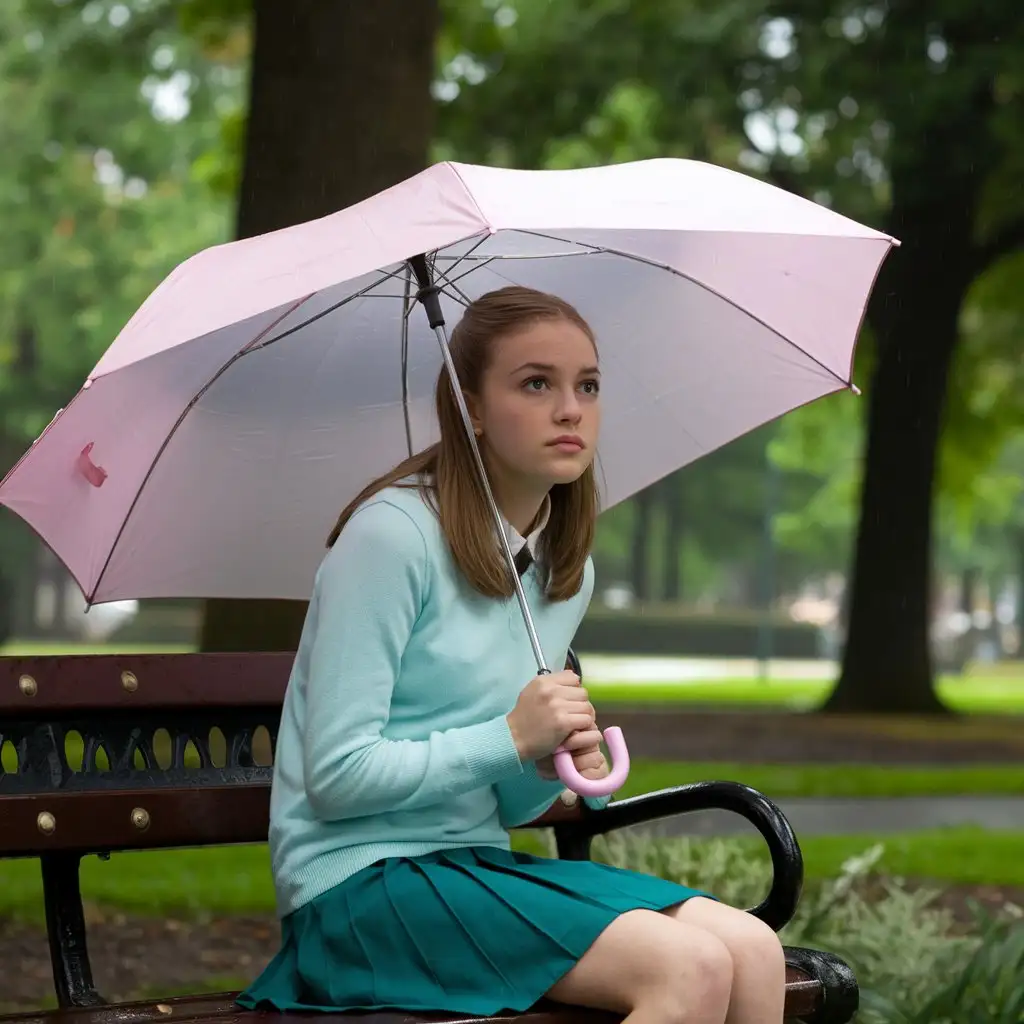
x=516 y=541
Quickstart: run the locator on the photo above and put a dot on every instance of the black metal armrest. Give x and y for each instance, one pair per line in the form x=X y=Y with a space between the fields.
x=841 y=992
x=780 y=904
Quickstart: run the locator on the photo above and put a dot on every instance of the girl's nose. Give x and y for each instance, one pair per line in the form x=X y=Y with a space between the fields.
x=569 y=408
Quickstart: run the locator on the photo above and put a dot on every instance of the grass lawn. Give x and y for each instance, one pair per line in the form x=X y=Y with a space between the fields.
x=832 y=780
x=970 y=694
x=237 y=879
x=30 y=648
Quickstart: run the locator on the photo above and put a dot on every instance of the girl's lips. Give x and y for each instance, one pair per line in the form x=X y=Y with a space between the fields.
x=568 y=443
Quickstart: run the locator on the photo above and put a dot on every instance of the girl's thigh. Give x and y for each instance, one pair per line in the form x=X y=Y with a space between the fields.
x=647 y=958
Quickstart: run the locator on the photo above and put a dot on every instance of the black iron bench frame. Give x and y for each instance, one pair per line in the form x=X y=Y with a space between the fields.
x=117 y=704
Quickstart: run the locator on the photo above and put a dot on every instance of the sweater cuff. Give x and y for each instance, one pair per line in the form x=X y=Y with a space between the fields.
x=490 y=751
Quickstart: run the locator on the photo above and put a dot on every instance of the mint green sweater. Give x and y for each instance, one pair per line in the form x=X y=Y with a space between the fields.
x=393 y=737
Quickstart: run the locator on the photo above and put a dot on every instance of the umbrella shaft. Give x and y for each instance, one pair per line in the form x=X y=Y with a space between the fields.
x=460 y=401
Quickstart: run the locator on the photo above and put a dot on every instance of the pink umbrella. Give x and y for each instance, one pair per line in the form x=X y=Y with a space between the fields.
x=265 y=381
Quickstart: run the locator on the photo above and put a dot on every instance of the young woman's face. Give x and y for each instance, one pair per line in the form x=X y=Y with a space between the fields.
x=539 y=410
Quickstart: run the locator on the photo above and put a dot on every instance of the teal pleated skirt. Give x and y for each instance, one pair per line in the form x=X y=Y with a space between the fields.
x=473 y=931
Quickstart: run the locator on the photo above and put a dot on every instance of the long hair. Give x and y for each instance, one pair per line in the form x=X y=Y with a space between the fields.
x=446 y=473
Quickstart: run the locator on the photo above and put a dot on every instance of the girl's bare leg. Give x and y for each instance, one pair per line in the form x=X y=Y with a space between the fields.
x=759 y=970
x=653 y=969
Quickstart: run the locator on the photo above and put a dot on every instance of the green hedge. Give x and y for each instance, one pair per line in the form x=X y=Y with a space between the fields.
x=162 y=622
x=6 y=609
x=669 y=631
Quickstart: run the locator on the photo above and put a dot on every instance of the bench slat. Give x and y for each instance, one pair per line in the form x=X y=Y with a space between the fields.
x=91 y=822
x=79 y=682
x=803 y=997
x=94 y=821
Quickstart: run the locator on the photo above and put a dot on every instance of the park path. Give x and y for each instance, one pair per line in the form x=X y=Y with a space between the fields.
x=859 y=816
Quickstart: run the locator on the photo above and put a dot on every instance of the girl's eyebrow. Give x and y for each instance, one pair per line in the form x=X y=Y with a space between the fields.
x=549 y=368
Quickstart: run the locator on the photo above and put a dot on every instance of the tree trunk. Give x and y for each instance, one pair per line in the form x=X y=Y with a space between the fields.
x=339 y=109
x=887 y=665
x=968 y=589
x=674 y=492
x=640 y=563
x=1019 y=610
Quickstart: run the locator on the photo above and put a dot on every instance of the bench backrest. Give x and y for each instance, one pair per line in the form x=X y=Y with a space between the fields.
x=114 y=752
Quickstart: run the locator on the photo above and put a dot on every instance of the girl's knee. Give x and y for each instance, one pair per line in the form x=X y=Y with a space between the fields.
x=755 y=934
x=752 y=939
x=695 y=976
x=746 y=936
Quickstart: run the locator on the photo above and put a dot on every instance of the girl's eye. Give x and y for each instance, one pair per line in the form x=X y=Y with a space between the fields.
x=535 y=384
x=591 y=387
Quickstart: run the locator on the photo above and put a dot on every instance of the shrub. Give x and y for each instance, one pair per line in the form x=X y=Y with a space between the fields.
x=911 y=966
x=6 y=609
x=667 y=631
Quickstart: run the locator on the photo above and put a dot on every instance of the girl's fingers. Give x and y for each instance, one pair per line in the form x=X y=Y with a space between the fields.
x=584 y=739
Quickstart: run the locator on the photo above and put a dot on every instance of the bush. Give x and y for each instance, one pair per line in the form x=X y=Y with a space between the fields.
x=670 y=631
x=911 y=966
x=6 y=609
x=174 y=621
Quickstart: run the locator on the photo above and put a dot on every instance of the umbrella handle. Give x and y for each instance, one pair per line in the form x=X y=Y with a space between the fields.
x=596 y=787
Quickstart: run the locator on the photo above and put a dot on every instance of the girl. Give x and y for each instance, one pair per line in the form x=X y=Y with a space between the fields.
x=408 y=744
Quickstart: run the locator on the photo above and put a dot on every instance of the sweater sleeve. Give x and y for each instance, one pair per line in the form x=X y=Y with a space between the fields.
x=525 y=797
x=369 y=592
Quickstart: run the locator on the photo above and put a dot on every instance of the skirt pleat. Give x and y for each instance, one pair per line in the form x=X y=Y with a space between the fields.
x=475 y=930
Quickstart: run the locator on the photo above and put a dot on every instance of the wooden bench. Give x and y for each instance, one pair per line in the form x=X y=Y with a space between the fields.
x=119 y=704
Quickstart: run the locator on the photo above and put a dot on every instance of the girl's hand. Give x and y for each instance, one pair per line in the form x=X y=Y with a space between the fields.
x=550 y=709
x=587 y=756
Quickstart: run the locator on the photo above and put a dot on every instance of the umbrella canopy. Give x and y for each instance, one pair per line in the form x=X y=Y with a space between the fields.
x=266 y=381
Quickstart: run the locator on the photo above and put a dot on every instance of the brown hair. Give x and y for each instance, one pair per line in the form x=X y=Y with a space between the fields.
x=447 y=474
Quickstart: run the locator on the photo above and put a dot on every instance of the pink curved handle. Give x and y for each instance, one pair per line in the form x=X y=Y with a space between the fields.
x=596 y=787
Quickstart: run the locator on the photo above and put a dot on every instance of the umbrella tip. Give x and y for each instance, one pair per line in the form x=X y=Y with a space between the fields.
x=854 y=388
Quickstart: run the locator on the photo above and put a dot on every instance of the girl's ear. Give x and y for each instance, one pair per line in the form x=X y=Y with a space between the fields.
x=473 y=405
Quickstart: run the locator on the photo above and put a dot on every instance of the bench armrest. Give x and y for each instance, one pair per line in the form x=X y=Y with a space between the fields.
x=778 y=907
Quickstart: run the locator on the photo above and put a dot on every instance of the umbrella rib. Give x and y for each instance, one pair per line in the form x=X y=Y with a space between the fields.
x=465 y=256
x=454 y=280
x=597 y=249
x=174 y=429
x=386 y=274
x=451 y=284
